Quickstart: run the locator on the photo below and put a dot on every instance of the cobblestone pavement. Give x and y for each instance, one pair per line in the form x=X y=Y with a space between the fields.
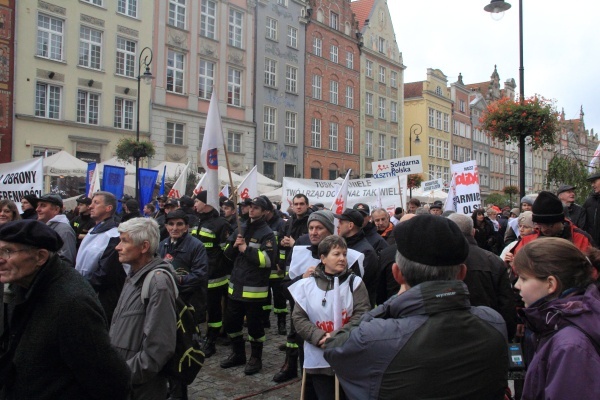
x=213 y=382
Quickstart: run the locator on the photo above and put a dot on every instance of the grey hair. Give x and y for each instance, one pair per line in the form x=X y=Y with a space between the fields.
x=421 y=211
x=415 y=273
x=142 y=230
x=380 y=210
x=464 y=222
x=109 y=199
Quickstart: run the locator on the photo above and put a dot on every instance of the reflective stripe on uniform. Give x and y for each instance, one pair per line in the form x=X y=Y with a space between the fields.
x=282 y=254
x=215 y=324
x=236 y=334
x=275 y=275
x=213 y=283
x=280 y=310
x=208 y=245
x=291 y=345
x=254 y=245
x=267 y=307
x=260 y=339
x=205 y=232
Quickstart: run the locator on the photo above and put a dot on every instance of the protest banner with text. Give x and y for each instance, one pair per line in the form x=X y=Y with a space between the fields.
x=397 y=167
x=21 y=178
x=464 y=196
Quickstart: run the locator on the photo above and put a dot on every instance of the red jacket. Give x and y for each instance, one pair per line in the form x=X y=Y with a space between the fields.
x=579 y=238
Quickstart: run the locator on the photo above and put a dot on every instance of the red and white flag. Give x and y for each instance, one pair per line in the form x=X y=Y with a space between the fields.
x=209 y=153
x=224 y=191
x=95 y=182
x=341 y=199
x=178 y=189
x=200 y=186
x=248 y=188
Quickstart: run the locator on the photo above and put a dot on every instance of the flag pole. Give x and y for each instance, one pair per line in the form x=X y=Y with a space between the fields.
x=234 y=189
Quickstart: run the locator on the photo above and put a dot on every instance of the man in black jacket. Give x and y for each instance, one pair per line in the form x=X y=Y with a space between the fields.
x=487 y=278
x=592 y=209
x=574 y=212
x=369 y=228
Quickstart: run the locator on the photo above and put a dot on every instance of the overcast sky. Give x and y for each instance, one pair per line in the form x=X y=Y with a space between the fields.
x=561 y=42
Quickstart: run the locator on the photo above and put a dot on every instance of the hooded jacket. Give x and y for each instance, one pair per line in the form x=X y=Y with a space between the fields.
x=566 y=363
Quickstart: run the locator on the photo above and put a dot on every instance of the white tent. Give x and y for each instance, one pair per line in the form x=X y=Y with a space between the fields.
x=172 y=172
x=274 y=195
x=429 y=196
x=265 y=181
x=64 y=164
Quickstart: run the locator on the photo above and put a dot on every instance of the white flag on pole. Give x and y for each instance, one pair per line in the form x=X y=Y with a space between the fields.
x=341 y=199
x=209 y=154
x=178 y=189
x=247 y=189
x=95 y=182
x=224 y=191
x=200 y=186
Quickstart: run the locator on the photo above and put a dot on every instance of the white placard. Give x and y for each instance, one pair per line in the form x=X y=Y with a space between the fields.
x=397 y=166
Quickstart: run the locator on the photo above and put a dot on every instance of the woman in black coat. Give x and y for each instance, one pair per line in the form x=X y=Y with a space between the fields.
x=484 y=230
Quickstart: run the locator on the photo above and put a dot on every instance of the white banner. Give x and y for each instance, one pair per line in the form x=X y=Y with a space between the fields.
x=464 y=191
x=430 y=186
x=397 y=166
x=367 y=191
x=247 y=189
x=20 y=178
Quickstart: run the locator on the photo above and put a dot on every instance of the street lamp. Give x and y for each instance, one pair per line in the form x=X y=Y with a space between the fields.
x=416 y=129
x=499 y=6
x=144 y=61
x=511 y=161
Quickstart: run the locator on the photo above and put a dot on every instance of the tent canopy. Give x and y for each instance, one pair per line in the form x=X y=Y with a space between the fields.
x=262 y=180
x=429 y=196
x=64 y=164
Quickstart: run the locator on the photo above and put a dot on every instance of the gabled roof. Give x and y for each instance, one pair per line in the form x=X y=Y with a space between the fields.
x=413 y=89
x=362 y=11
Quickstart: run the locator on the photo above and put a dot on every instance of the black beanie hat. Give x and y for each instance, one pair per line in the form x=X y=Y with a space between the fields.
x=32 y=199
x=202 y=196
x=32 y=233
x=547 y=209
x=430 y=240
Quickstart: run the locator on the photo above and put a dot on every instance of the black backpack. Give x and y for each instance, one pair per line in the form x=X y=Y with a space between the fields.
x=188 y=358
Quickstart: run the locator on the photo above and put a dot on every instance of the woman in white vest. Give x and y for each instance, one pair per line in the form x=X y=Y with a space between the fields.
x=326 y=301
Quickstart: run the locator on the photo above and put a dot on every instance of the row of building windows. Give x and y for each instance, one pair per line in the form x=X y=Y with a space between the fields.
x=334 y=52
x=382 y=75
x=317 y=91
x=270 y=126
x=439 y=171
x=382 y=107
x=316 y=126
x=272 y=32
x=439 y=120
x=271 y=74
x=382 y=146
x=439 y=148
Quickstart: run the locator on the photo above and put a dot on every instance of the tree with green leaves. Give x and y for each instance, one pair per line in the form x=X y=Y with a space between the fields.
x=565 y=169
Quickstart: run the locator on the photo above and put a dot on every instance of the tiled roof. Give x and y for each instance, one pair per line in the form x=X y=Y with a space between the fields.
x=413 y=89
x=362 y=11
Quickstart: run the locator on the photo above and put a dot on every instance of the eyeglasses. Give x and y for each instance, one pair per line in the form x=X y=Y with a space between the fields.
x=6 y=253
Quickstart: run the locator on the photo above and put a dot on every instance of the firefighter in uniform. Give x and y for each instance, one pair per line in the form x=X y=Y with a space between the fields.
x=83 y=223
x=253 y=253
x=278 y=306
x=213 y=230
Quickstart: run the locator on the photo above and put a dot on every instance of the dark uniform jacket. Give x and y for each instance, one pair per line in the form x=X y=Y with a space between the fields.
x=359 y=243
x=294 y=228
x=277 y=224
x=214 y=230
x=251 y=269
x=64 y=351
x=82 y=224
x=592 y=216
x=374 y=238
x=426 y=343
x=576 y=214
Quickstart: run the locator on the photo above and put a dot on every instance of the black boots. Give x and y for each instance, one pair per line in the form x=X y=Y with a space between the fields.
x=289 y=370
x=255 y=363
x=209 y=342
x=281 y=324
x=238 y=354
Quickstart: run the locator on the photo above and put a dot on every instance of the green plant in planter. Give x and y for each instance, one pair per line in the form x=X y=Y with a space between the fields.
x=535 y=118
x=130 y=148
x=414 y=181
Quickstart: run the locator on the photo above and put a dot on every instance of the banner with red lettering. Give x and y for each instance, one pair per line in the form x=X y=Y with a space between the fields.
x=464 y=196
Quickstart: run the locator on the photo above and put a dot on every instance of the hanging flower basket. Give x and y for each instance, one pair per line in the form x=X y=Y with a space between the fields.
x=414 y=181
x=536 y=119
x=130 y=148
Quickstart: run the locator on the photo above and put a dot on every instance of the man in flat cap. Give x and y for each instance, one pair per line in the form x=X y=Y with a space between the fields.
x=83 y=222
x=436 y=208
x=369 y=228
x=417 y=343
x=253 y=251
x=591 y=208
x=574 y=212
x=55 y=344
x=49 y=210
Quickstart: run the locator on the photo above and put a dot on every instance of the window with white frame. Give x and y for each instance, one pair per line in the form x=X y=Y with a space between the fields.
x=333 y=92
x=317 y=83
x=292 y=37
x=369 y=68
x=431 y=147
x=382 y=107
x=438 y=148
x=334 y=20
x=438 y=120
x=125 y=57
x=47 y=101
x=236 y=25
x=270 y=123
x=369 y=103
x=333 y=136
x=88 y=107
x=446 y=122
x=291 y=123
x=349 y=140
x=393 y=147
x=128 y=7
x=334 y=54
x=349 y=97
x=455 y=153
x=317 y=46
x=208 y=19
x=123 y=114
x=381 y=151
x=177 y=13
x=44 y=151
x=456 y=127
x=393 y=111
x=175 y=133
x=94 y=2
x=271 y=29
x=90 y=48
x=381 y=45
x=438 y=90
x=350 y=60
x=234 y=142
x=381 y=74
x=431 y=171
x=393 y=79
x=431 y=117
x=50 y=36
x=270 y=72
x=234 y=87
x=175 y=71
x=446 y=150
x=438 y=171
x=461 y=105
x=446 y=176
x=315 y=133
x=283 y=3
x=206 y=79
x=369 y=144
x=291 y=79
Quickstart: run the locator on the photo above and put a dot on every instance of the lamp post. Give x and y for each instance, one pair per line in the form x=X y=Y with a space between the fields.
x=499 y=6
x=144 y=61
x=416 y=129
x=512 y=161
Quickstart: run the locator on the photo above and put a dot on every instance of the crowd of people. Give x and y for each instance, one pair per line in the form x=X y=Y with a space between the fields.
x=418 y=303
